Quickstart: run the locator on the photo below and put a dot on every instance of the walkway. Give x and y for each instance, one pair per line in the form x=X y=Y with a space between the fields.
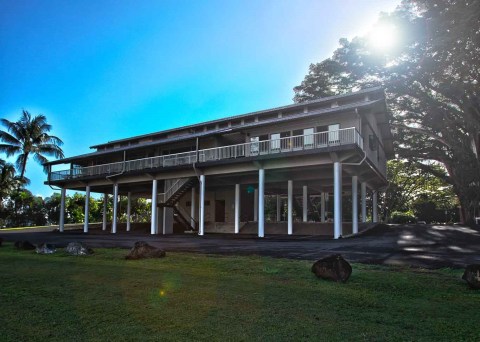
x=426 y=246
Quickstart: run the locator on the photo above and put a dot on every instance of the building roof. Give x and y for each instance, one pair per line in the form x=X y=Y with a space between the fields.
x=243 y=116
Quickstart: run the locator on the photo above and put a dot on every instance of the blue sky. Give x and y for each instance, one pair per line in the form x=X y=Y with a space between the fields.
x=104 y=70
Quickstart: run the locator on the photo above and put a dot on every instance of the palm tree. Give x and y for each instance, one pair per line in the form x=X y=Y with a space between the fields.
x=29 y=136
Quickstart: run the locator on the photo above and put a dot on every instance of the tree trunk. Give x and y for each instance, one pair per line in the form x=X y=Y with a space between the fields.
x=24 y=167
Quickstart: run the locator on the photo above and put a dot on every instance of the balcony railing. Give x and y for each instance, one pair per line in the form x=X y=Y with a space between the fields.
x=319 y=140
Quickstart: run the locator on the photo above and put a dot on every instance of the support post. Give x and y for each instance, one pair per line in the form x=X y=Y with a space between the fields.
x=115 y=208
x=290 y=207
x=192 y=208
x=261 y=202
x=202 y=206
x=129 y=209
x=363 y=195
x=237 y=208
x=104 y=218
x=374 y=206
x=322 y=207
x=153 y=227
x=279 y=206
x=255 y=205
x=337 y=197
x=354 y=204
x=87 y=208
x=61 y=223
x=305 y=204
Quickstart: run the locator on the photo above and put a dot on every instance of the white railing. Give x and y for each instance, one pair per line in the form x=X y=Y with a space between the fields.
x=319 y=140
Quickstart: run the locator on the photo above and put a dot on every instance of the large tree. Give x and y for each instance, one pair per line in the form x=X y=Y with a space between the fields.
x=431 y=80
x=29 y=137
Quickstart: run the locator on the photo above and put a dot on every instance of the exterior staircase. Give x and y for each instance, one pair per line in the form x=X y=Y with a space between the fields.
x=175 y=189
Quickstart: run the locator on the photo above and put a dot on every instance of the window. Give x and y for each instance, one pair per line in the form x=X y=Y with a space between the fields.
x=275 y=142
x=263 y=144
x=297 y=140
x=308 y=137
x=285 y=143
x=333 y=134
x=254 y=145
x=322 y=138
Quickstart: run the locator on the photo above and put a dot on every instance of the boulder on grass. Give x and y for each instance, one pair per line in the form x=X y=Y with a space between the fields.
x=142 y=250
x=45 y=248
x=77 y=248
x=24 y=245
x=472 y=276
x=333 y=267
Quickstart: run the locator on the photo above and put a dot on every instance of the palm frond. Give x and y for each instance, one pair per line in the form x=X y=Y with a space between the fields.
x=50 y=150
x=8 y=138
x=9 y=150
x=41 y=160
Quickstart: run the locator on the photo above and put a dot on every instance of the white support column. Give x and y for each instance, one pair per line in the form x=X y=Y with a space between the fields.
x=290 y=207
x=363 y=196
x=279 y=207
x=305 y=203
x=61 y=223
x=237 y=208
x=192 y=208
x=104 y=218
x=337 y=197
x=255 y=205
x=354 y=204
x=322 y=207
x=87 y=208
x=129 y=209
x=153 y=227
x=115 y=208
x=374 y=206
x=261 y=203
x=201 y=218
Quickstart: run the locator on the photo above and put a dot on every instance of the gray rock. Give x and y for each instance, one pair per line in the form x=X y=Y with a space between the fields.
x=77 y=248
x=472 y=276
x=333 y=267
x=45 y=248
x=142 y=250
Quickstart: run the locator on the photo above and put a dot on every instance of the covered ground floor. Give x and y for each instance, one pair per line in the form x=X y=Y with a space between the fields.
x=309 y=195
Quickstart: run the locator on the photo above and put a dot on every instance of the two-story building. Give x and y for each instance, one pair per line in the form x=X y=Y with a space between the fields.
x=216 y=176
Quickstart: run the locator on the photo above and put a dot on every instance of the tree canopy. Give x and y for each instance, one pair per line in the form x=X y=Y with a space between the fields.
x=431 y=80
x=29 y=136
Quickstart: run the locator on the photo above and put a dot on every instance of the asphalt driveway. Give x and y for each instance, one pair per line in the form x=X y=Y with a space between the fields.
x=429 y=246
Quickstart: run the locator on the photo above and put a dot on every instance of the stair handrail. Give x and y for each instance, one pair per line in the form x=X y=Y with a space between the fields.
x=187 y=217
x=174 y=187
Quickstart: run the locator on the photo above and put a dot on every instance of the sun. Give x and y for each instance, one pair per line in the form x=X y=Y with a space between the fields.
x=383 y=37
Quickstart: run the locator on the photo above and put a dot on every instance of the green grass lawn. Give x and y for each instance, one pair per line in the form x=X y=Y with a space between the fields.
x=197 y=297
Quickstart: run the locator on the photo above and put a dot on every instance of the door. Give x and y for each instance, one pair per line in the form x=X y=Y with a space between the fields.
x=219 y=210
